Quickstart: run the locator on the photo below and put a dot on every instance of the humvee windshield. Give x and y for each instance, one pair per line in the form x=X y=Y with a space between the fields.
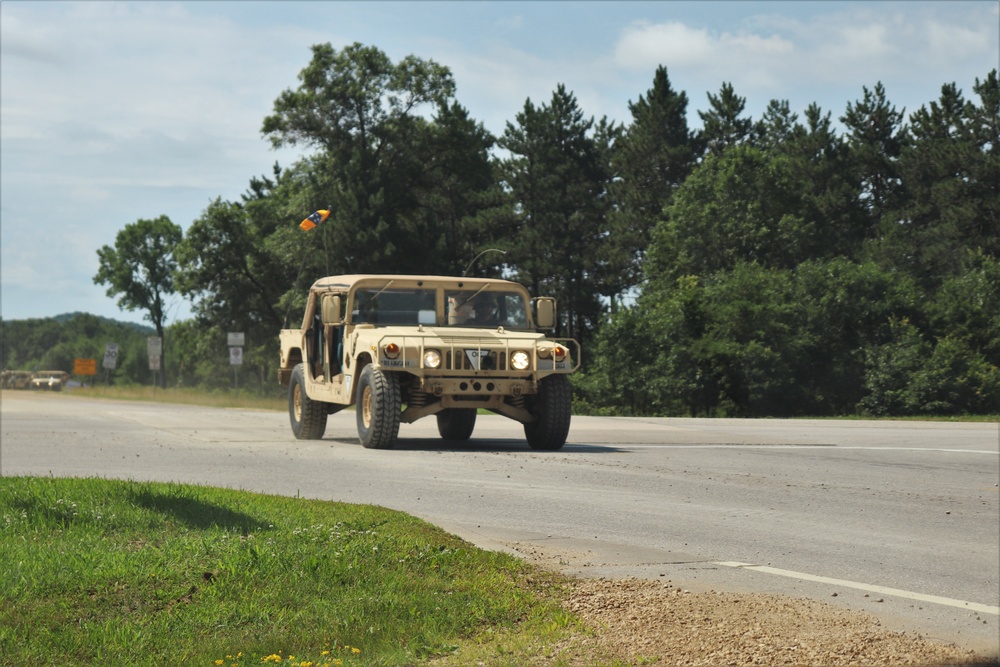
x=394 y=306
x=486 y=309
x=463 y=308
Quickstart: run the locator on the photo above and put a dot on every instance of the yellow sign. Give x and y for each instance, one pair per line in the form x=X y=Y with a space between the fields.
x=85 y=367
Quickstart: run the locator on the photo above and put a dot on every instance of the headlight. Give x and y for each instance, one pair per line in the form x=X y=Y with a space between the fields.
x=432 y=359
x=520 y=360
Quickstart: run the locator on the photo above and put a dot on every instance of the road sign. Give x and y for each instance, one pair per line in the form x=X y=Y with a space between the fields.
x=154 y=363
x=236 y=356
x=235 y=339
x=111 y=356
x=154 y=346
x=85 y=367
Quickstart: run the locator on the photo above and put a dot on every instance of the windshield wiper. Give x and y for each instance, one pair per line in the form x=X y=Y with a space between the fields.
x=480 y=291
x=379 y=293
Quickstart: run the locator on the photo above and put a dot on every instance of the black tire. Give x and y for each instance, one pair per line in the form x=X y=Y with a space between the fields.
x=378 y=408
x=456 y=423
x=308 y=417
x=552 y=407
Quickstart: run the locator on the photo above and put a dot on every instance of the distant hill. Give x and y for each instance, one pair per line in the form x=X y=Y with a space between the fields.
x=55 y=342
x=141 y=328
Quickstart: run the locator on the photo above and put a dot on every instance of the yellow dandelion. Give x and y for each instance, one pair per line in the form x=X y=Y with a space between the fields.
x=220 y=662
x=355 y=651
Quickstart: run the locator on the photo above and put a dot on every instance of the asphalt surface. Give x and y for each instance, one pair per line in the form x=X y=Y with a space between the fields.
x=899 y=519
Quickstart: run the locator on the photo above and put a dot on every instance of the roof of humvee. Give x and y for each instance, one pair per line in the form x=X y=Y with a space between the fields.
x=348 y=281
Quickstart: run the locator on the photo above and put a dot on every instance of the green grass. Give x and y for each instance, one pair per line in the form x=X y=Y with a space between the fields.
x=126 y=573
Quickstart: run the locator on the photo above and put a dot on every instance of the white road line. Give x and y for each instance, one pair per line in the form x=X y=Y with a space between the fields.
x=871 y=588
x=738 y=445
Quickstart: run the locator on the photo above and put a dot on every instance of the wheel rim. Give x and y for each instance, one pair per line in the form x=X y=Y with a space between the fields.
x=366 y=407
x=297 y=402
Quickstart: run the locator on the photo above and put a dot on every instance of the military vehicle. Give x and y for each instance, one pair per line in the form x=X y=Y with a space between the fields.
x=16 y=379
x=404 y=347
x=49 y=380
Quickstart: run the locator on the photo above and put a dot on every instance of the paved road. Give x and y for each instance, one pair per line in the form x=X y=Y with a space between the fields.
x=901 y=519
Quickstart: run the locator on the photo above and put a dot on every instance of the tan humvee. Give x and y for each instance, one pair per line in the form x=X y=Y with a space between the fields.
x=16 y=379
x=405 y=347
x=49 y=380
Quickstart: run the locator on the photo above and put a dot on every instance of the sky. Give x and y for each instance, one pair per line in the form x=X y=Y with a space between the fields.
x=114 y=112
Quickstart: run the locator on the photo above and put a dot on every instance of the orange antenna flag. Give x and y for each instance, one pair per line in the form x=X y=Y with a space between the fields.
x=314 y=219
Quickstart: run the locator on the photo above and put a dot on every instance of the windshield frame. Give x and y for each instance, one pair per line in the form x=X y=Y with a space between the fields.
x=386 y=303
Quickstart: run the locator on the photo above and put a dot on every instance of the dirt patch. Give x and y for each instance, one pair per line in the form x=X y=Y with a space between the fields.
x=639 y=621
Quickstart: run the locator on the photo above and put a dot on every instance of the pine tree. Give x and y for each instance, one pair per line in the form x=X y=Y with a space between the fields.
x=723 y=125
x=557 y=180
x=651 y=159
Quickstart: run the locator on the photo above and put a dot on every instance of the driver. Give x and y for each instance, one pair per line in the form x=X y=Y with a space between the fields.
x=487 y=310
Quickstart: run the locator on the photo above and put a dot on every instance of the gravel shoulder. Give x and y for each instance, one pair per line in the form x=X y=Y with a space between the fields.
x=641 y=622
x=645 y=622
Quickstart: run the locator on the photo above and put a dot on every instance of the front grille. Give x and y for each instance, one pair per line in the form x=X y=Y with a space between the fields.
x=489 y=360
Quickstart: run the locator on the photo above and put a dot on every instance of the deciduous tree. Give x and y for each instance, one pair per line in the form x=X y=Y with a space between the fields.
x=139 y=269
x=380 y=163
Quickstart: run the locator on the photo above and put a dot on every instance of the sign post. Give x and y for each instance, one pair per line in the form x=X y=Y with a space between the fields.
x=154 y=350
x=110 y=358
x=236 y=341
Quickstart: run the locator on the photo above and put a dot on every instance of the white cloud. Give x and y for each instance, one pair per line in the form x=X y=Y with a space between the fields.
x=644 y=45
x=496 y=83
x=757 y=45
x=858 y=45
x=850 y=44
x=114 y=111
x=957 y=42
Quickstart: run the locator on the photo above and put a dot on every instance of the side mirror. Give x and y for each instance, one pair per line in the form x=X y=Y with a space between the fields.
x=545 y=312
x=331 y=309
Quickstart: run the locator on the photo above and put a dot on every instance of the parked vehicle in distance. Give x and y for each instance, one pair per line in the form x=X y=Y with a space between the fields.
x=404 y=347
x=49 y=380
x=16 y=379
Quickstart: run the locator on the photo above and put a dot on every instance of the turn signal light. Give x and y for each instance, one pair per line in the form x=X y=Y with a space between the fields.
x=391 y=350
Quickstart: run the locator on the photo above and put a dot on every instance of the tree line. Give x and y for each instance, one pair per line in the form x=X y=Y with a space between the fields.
x=769 y=266
x=53 y=343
